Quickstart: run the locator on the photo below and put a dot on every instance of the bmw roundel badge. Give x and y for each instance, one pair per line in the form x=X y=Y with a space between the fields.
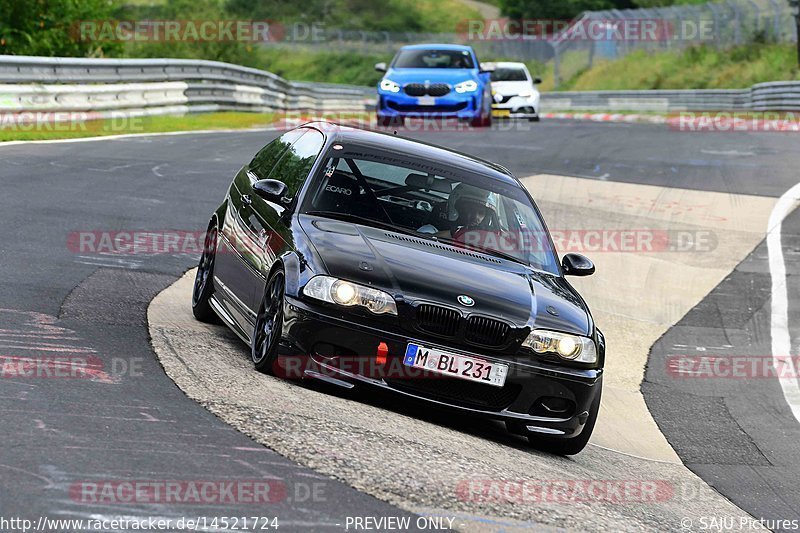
x=466 y=300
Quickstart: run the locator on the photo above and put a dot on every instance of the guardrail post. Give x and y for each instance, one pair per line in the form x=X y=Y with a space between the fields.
x=776 y=21
x=737 y=28
x=717 y=24
x=795 y=6
x=388 y=41
x=756 y=16
x=556 y=66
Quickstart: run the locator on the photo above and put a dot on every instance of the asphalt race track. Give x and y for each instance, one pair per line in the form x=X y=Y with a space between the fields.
x=128 y=420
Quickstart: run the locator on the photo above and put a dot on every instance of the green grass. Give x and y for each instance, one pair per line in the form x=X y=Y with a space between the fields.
x=702 y=67
x=157 y=124
x=339 y=67
x=327 y=67
x=426 y=16
x=435 y=16
x=695 y=68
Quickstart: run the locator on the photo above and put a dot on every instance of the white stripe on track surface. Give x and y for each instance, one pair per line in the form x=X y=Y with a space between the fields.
x=779 y=323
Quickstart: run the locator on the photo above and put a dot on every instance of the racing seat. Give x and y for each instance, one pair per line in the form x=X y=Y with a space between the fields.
x=342 y=194
x=438 y=218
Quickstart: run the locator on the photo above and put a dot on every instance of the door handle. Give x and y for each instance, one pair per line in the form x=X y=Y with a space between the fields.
x=246 y=200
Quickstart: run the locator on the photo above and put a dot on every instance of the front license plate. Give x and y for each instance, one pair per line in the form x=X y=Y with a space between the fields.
x=501 y=112
x=455 y=365
x=426 y=100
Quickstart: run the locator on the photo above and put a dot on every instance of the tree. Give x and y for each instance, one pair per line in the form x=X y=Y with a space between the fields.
x=228 y=50
x=560 y=10
x=48 y=27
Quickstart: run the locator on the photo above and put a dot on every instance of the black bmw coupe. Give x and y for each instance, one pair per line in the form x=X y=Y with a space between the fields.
x=365 y=259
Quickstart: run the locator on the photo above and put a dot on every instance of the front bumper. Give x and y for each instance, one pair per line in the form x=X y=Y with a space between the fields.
x=517 y=107
x=453 y=105
x=326 y=338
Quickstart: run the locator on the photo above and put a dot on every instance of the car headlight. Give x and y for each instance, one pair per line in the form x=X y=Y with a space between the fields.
x=345 y=293
x=466 y=87
x=389 y=85
x=566 y=346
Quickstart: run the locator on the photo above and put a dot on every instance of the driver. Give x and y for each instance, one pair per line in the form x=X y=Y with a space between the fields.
x=468 y=208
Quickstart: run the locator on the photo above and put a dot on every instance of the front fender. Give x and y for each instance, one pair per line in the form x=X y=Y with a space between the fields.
x=300 y=263
x=219 y=213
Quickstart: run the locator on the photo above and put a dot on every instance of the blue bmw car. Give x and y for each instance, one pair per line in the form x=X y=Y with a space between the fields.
x=434 y=81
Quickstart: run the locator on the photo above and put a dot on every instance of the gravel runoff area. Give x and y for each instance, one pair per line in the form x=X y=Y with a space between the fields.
x=435 y=464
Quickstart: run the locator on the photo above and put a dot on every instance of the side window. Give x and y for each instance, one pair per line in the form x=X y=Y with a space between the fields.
x=296 y=163
x=262 y=163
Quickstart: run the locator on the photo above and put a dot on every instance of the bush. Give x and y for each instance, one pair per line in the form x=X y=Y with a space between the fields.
x=48 y=27
x=700 y=67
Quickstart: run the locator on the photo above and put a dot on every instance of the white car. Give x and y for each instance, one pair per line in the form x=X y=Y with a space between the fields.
x=513 y=91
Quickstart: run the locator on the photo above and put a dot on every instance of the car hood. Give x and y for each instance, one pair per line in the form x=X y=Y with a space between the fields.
x=450 y=76
x=509 y=88
x=424 y=270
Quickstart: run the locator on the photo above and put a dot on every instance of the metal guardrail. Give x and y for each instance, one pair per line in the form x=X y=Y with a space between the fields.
x=157 y=86
x=772 y=96
x=79 y=84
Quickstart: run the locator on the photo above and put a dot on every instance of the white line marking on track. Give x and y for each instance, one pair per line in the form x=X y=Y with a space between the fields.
x=156 y=168
x=137 y=135
x=727 y=152
x=626 y=454
x=779 y=323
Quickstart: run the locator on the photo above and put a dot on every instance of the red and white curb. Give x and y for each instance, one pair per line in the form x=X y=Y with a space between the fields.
x=703 y=121
x=608 y=117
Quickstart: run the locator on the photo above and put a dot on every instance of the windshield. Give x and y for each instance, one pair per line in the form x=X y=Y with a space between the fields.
x=433 y=59
x=448 y=204
x=509 y=74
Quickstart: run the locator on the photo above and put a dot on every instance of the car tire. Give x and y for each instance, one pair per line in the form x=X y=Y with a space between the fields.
x=204 y=279
x=533 y=119
x=484 y=120
x=481 y=121
x=573 y=445
x=269 y=322
x=390 y=121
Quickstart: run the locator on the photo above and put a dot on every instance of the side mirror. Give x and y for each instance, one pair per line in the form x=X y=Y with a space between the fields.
x=271 y=190
x=380 y=67
x=537 y=80
x=577 y=265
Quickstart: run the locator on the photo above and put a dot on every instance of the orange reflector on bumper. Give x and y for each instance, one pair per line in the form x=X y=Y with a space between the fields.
x=383 y=351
